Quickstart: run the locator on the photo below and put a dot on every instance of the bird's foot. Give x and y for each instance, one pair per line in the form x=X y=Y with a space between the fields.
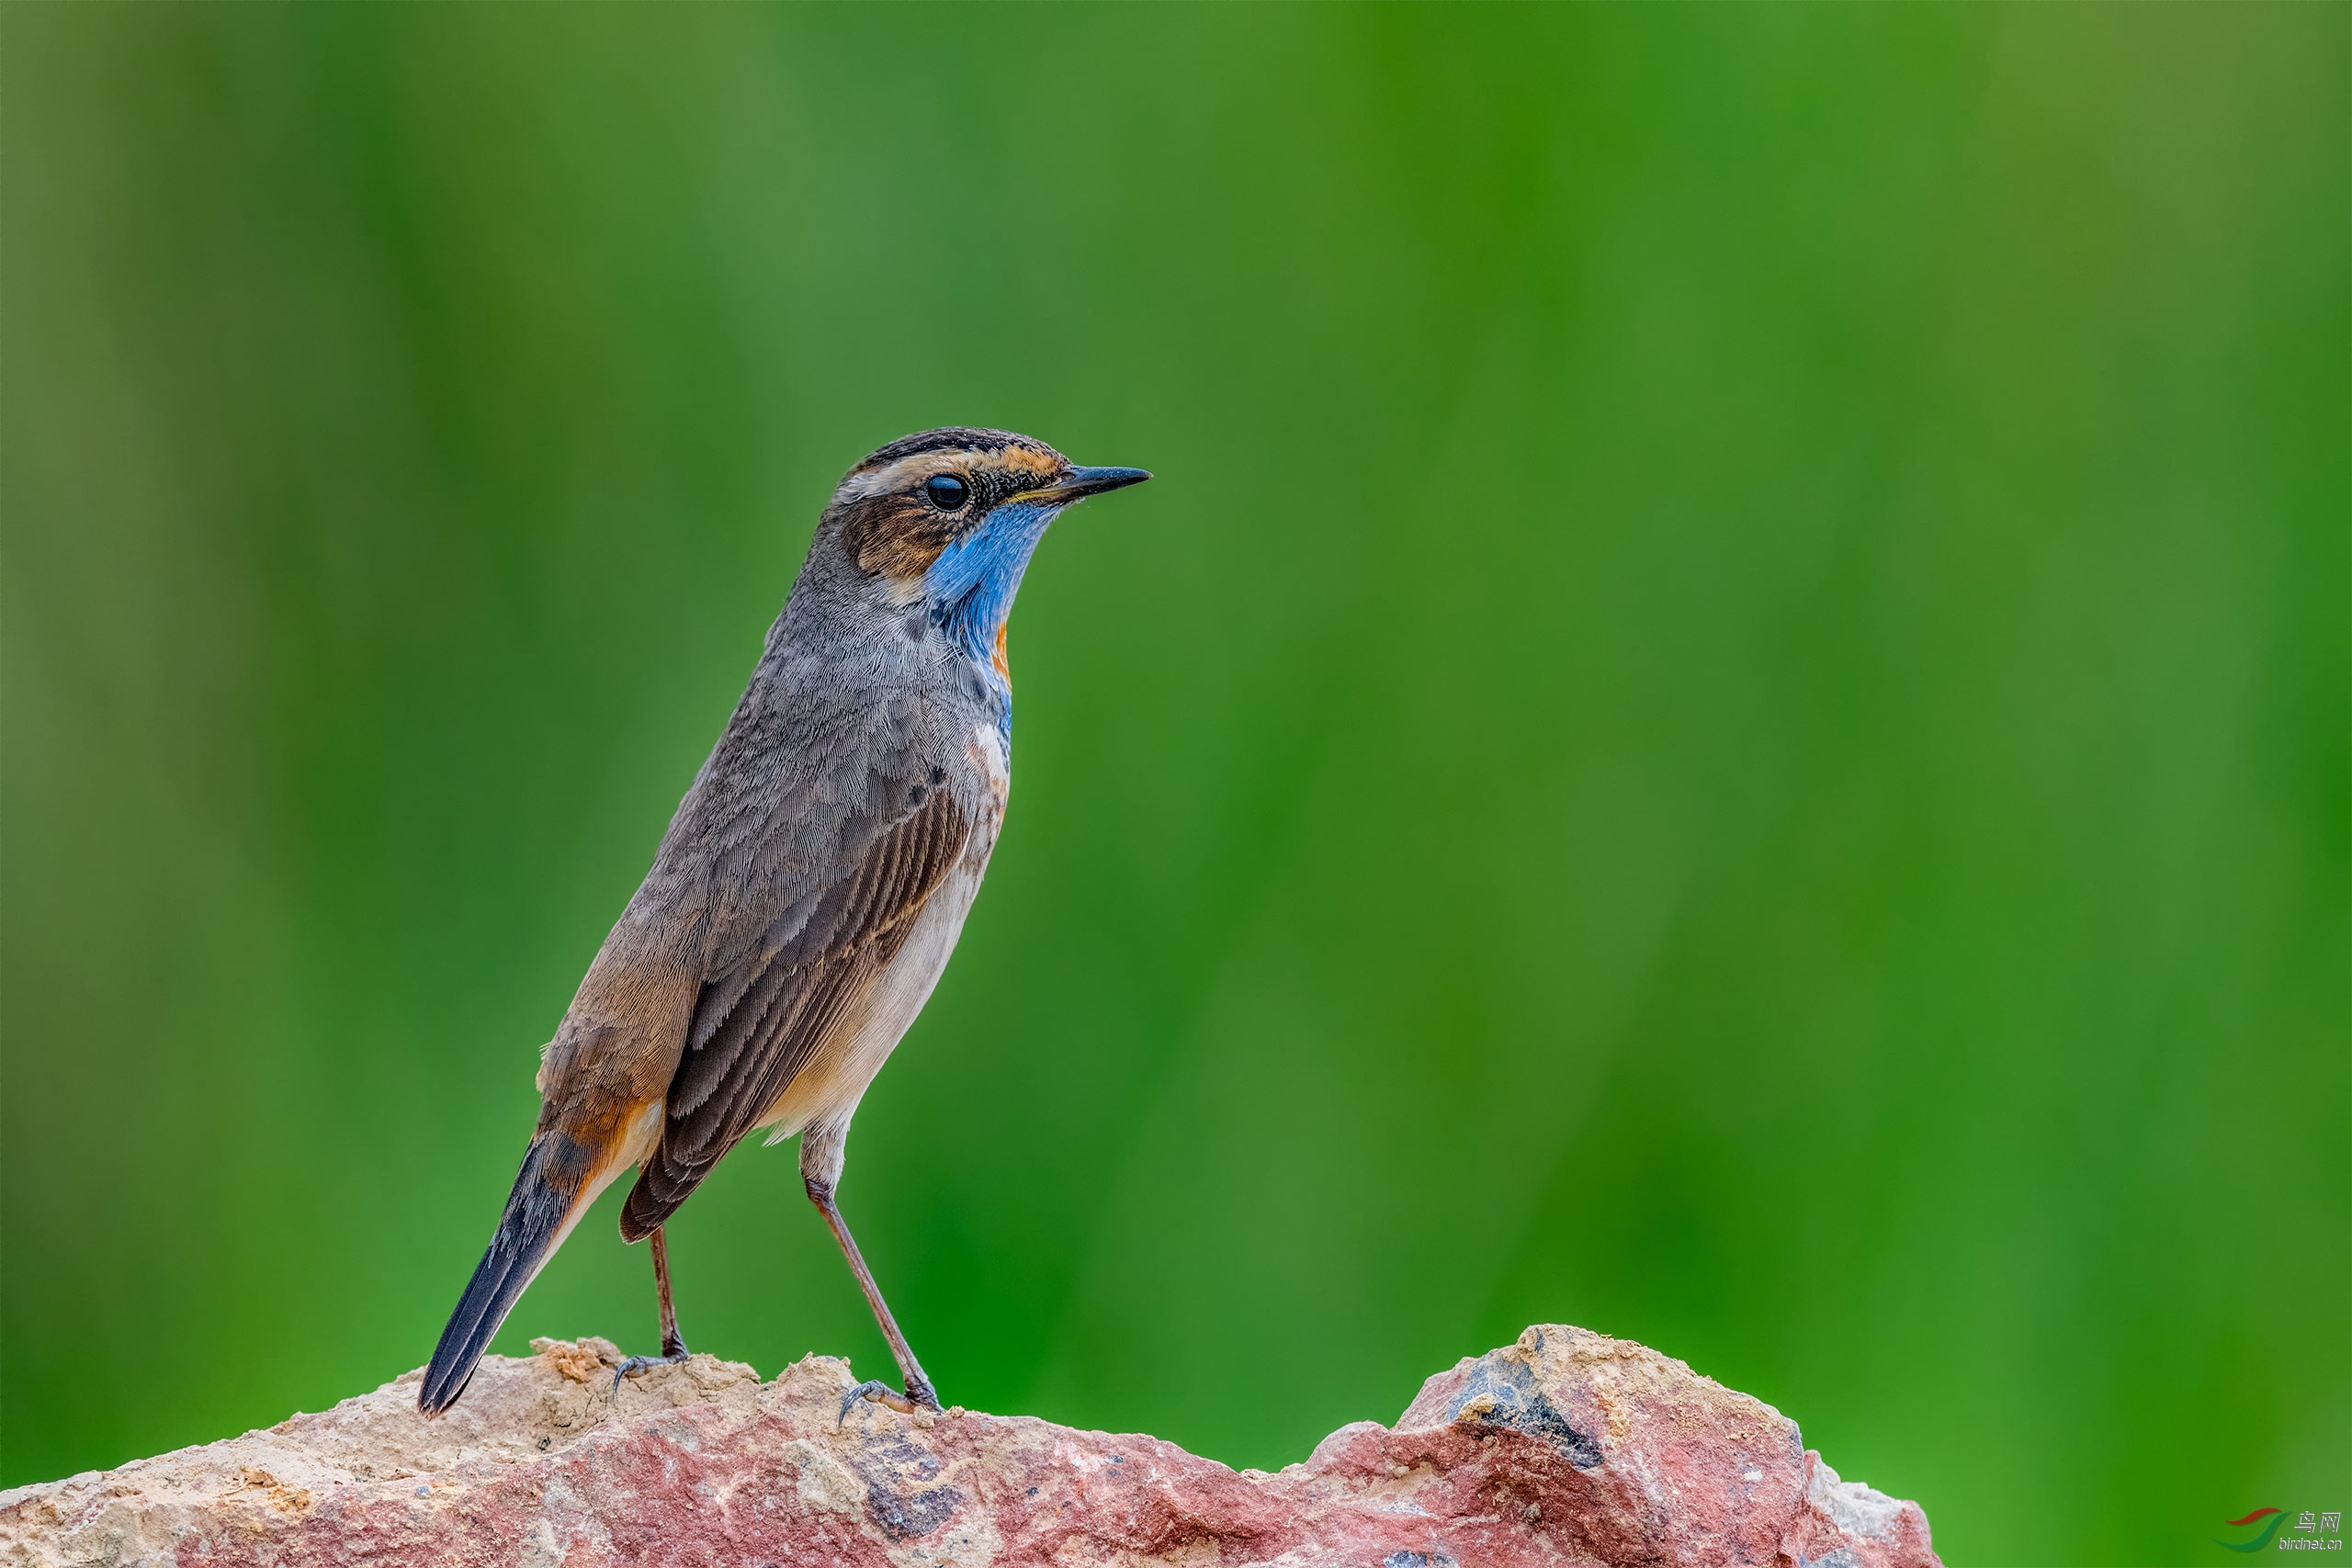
x=670 y=1357
x=918 y=1397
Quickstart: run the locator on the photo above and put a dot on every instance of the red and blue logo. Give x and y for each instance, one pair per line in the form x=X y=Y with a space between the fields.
x=2268 y=1518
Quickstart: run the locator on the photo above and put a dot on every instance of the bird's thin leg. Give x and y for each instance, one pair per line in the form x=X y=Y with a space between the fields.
x=920 y=1395
x=673 y=1344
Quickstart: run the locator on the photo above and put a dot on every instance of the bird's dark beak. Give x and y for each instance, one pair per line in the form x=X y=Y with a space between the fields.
x=1079 y=483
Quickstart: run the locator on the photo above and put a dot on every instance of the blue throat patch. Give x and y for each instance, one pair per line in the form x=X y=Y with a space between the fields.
x=972 y=583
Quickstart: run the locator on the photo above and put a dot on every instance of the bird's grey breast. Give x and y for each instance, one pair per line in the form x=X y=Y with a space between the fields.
x=857 y=715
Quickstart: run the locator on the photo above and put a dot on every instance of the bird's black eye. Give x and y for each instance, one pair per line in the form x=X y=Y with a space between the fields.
x=947 y=491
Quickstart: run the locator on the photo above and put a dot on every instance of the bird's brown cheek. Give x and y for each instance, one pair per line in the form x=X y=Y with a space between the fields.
x=895 y=537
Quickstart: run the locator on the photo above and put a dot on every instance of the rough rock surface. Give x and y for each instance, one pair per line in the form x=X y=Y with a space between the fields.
x=1564 y=1448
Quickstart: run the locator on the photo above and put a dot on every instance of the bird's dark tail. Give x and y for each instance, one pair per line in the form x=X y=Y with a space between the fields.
x=549 y=1192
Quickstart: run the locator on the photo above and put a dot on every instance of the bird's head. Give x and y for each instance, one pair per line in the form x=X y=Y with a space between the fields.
x=950 y=517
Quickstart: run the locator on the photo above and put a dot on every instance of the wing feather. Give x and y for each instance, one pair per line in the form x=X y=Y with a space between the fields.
x=756 y=1027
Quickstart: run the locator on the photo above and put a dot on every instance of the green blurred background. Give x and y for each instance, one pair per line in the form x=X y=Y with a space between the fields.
x=1727 y=721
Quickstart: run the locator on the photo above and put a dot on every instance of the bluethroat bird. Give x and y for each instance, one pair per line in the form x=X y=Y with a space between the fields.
x=812 y=886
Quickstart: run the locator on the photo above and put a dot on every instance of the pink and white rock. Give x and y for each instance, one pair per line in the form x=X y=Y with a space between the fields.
x=1566 y=1447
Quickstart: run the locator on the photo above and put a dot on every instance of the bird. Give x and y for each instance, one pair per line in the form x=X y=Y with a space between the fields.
x=808 y=891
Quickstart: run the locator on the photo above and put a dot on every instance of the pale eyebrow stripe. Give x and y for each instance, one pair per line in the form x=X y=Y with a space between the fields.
x=922 y=465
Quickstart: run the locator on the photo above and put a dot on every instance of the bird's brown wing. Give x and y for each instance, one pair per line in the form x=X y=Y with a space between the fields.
x=757 y=1026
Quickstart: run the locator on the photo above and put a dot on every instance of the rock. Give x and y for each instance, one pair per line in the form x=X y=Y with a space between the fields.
x=1566 y=1447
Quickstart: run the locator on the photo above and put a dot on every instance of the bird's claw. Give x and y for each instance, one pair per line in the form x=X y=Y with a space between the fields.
x=879 y=1393
x=636 y=1364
